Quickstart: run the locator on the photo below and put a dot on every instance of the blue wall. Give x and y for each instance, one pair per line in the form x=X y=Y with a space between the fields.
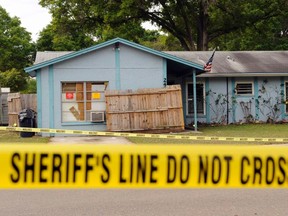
x=130 y=68
x=124 y=68
x=139 y=69
x=274 y=88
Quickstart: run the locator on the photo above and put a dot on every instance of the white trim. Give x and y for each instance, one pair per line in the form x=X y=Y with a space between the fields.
x=186 y=97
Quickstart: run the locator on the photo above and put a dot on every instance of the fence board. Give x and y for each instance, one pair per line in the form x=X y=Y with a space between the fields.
x=18 y=102
x=145 y=109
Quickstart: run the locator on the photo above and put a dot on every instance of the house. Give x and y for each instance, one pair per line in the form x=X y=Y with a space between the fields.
x=242 y=86
x=71 y=85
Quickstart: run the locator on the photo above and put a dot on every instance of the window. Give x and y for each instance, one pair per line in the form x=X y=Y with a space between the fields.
x=244 y=88
x=200 y=95
x=81 y=100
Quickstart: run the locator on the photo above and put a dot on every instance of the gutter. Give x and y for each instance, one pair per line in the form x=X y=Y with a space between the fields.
x=243 y=74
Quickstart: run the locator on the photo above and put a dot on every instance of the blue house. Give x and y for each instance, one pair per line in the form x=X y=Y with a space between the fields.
x=242 y=86
x=71 y=85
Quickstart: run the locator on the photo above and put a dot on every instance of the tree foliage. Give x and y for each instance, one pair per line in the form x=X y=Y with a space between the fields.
x=66 y=37
x=31 y=87
x=14 y=79
x=263 y=25
x=53 y=38
x=162 y=42
x=194 y=23
x=57 y=38
x=16 y=48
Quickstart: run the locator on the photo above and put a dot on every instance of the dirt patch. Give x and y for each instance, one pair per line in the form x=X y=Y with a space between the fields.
x=89 y=140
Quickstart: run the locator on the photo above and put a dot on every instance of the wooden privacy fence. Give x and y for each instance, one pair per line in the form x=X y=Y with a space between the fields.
x=145 y=109
x=18 y=102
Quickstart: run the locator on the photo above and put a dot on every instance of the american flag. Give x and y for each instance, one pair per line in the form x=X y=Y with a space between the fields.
x=208 y=65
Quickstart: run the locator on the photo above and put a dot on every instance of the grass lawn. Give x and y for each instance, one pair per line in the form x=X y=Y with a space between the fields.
x=7 y=137
x=245 y=130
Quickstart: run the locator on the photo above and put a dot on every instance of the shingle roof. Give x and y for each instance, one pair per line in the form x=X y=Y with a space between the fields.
x=239 y=62
x=225 y=63
x=48 y=55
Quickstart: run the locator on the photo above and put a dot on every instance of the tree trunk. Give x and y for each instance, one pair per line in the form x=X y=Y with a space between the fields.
x=202 y=40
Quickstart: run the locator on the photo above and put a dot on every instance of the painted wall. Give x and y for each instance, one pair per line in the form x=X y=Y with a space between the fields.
x=139 y=69
x=129 y=68
x=123 y=68
x=271 y=92
x=267 y=91
x=243 y=106
x=216 y=100
x=43 y=112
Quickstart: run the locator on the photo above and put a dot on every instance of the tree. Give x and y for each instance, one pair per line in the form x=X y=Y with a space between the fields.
x=16 y=52
x=14 y=79
x=16 y=48
x=59 y=37
x=268 y=33
x=56 y=38
x=194 y=23
x=45 y=39
x=162 y=42
x=31 y=86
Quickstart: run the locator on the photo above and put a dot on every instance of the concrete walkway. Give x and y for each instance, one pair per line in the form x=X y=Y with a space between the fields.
x=104 y=140
x=89 y=140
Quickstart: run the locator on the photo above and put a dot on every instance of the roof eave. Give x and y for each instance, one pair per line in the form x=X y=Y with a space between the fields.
x=32 y=73
x=243 y=74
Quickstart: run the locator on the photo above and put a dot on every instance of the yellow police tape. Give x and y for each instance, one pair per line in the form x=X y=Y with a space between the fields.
x=144 y=166
x=144 y=135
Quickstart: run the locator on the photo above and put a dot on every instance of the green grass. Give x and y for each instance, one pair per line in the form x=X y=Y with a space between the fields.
x=7 y=137
x=245 y=130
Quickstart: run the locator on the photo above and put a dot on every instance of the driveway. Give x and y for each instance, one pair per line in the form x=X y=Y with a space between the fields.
x=88 y=140
x=105 y=140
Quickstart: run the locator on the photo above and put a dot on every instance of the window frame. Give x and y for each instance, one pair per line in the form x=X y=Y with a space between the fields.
x=84 y=92
x=191 y=99
x=244 y=94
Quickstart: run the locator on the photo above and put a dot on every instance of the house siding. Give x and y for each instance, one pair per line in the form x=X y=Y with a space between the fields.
x=44 y=100
x=139 y=69
x=273 y=92
x=144 y=71
x=39 y=98
x=236 y=113
x=248 y=101
x=125 y=65
x=217 y=88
